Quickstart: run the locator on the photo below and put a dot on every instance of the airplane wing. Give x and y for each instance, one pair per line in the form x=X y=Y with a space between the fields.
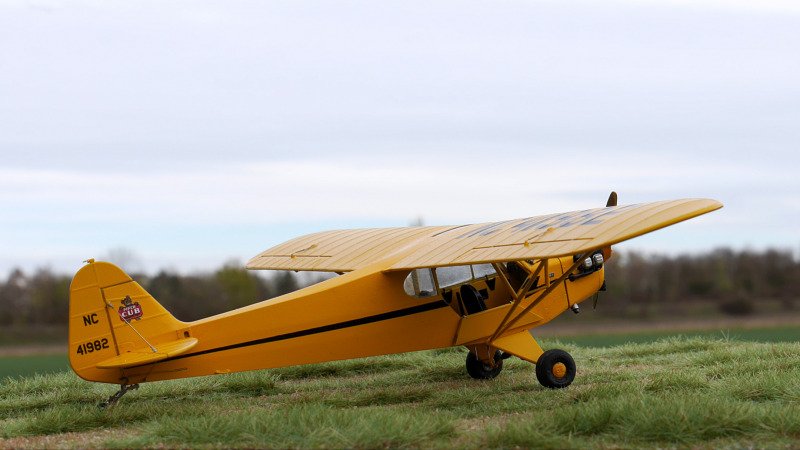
x=341 y=250
x=513 y=240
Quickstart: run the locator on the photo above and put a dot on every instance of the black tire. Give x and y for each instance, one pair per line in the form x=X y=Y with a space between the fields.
x=555 y=369
x=480 y=371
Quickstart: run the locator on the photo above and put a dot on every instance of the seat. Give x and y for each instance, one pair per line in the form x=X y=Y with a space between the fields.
x=473 y=300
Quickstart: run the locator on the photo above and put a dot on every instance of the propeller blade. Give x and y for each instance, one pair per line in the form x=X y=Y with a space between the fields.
x=612 y=199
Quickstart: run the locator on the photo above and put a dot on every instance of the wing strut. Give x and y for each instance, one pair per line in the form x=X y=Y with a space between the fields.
x=517 y=296
x=552 y=286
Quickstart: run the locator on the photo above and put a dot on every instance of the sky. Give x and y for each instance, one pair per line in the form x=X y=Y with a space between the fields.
x=184 y=135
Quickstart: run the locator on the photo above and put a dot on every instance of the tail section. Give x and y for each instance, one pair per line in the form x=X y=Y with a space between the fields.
x=114 y=323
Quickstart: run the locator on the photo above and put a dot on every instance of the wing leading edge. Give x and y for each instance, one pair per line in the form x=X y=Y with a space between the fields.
x=522 y=239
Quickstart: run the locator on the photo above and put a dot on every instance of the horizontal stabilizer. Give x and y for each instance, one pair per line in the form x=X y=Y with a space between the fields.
x=146 y=355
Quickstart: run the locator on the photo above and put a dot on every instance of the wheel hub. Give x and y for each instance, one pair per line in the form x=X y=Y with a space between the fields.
x=559 y=370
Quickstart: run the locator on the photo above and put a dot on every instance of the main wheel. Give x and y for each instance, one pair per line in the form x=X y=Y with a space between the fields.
x=480 y=371
x=555 y=369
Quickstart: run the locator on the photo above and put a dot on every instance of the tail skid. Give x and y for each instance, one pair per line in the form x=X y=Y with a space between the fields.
x=114 y=324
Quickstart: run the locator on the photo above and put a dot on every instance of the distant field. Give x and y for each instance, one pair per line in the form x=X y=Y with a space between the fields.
x=768 y=334
x=28 y=365
x=32 y=334
x=677 y=392
x=14 y=366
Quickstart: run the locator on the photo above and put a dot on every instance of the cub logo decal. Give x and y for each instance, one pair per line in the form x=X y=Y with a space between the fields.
x=129 y=310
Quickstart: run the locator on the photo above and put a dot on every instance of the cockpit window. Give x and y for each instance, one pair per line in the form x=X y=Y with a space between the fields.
x=482 y=270
x=419 y=283
x=449 y=276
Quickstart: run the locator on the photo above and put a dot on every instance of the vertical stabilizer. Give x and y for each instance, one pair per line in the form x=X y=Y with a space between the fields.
x=112 y=319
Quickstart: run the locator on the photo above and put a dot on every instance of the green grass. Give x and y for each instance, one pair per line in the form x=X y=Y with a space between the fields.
x=685 y=392
x=30 y=365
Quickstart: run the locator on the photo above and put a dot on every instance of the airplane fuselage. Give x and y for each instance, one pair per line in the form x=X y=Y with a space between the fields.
x=362 y=313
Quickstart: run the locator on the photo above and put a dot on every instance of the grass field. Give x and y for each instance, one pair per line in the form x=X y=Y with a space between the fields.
x=29 y=365
x=688 y=392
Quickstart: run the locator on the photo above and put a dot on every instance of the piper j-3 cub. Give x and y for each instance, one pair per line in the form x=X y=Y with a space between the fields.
x=481 y=286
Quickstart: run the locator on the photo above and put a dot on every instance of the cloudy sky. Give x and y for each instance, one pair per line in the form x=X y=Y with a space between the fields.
x=185 y=134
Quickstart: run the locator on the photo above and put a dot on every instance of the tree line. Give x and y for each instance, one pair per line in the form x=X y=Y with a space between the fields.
x=43 y=297
x=731 y=281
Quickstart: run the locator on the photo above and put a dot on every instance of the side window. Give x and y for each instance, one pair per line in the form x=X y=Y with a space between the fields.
x=482 y=270
x=448 y=276
x=419 y=283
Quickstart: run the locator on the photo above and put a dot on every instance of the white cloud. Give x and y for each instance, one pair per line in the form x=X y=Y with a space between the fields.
x=444 y=189
x=767 y=6
x=185 y=130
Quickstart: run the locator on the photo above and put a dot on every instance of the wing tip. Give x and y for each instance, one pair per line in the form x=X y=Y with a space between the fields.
x=708 y=205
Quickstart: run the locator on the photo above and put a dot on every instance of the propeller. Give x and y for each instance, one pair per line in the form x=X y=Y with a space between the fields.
x=612 y=201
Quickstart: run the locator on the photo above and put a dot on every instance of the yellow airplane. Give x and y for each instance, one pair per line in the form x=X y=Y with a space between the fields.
x=482 y=286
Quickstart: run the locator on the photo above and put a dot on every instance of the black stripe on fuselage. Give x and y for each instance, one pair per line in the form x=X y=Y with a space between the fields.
x=336 y=326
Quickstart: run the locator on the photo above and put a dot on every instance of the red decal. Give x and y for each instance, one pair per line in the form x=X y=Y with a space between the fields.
x=130 y=310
